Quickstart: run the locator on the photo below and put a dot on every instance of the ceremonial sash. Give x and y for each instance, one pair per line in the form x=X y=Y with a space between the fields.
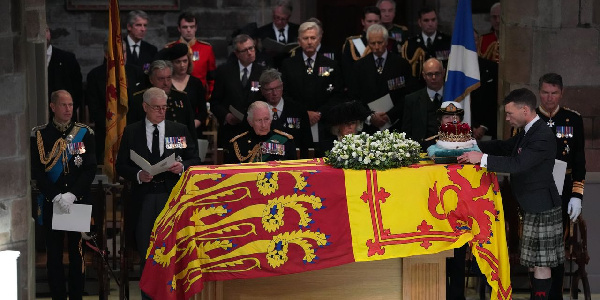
x=54 y=173
x=280 y=138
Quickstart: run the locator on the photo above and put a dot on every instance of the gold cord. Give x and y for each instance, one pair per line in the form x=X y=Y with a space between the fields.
x=251 y=154
x=57 y=152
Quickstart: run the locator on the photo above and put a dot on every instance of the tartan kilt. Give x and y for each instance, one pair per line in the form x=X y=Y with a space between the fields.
x=542 y=243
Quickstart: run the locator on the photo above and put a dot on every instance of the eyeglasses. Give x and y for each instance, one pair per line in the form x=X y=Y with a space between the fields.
x=157 y=108
x=275 y=89
x=249 y=49
x=278 y=18
x=436 y=74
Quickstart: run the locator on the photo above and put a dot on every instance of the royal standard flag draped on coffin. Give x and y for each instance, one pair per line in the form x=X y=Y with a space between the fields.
x=265 y=219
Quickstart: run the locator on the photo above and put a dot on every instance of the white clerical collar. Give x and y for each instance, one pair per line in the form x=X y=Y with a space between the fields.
x=528 y=126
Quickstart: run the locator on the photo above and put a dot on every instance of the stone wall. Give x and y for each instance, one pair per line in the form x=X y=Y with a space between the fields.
x=16 y=223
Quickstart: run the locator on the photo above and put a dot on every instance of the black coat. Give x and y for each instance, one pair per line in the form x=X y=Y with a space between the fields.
x=317 y=92
x=368 y=85
x=146 y=54
x=64 y=73
x=229 y=91
x=266 y=31
x=418 y=122
x=529 y=158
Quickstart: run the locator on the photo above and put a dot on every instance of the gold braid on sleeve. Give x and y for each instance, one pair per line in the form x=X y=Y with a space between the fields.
x=57 y=152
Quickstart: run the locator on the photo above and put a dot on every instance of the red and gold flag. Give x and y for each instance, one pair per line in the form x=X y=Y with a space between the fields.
x=116 y=91
x=265 y=219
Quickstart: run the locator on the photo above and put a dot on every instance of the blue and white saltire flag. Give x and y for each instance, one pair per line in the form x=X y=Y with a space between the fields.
x=463 y=68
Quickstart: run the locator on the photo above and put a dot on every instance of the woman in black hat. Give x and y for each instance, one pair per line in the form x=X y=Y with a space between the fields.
x=342 y=119
x=179 y=55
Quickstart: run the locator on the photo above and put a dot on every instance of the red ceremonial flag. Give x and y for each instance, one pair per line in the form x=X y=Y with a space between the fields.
x=116 y=91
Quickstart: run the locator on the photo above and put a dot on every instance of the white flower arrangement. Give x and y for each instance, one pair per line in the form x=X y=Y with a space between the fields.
x=380 y=151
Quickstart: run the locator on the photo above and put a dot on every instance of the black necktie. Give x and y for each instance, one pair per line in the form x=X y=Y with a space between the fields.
x=380 y=62
x=309 y=63
x=437 y=99
x=135 y=52
x=428 y=42
x=281 y=36
x=245 y=77
x=155 y=147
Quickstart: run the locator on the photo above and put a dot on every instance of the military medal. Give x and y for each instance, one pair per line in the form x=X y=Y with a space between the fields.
x=309 y=70
x=567 y=148
x=325 y=71
x=78 y=160
x=396 y=83
x=196 y=56
x=379 y=70
x=330 y=88
x=329 y=55
x=550 y=123
x=254 y=86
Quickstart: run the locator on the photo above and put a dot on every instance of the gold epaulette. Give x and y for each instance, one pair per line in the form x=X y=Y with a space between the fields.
x=90 y=130
x=139 y=92
x=203 y=42
x=37 y=128
x=287 y=135
x=168 y=45
x=293 y=51
x=238 y=136
x=573 y=111
x=401 y=27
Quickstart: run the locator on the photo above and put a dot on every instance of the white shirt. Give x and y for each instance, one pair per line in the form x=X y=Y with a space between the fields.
x=279 y=107
x=432 y=93
x=313 y=57
x=48 y=55
x=384 y=56
x=285 y=32
x=424 y=36
x=527 y=127
x=131 y=43
x=249 y=68
x=161 y=135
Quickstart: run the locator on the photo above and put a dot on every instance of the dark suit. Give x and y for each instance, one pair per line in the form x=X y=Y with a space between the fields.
x=146 y=53
x=317 y=92
x=294 y=120
x=64 y=73
x=368 y=85
x=134 y=138
x=179 y=109
x=95 y=95
x=529 y=158
x=229 y=91
x=419 y=120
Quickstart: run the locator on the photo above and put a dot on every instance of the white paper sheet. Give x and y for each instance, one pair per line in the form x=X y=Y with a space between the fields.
x=315 y=132
x=382 y=104
x=157 y=168
x=77 y=220
x=236 y=113
x=560 y=167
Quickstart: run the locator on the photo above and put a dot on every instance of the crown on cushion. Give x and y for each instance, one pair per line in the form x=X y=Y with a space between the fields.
x=453 y=132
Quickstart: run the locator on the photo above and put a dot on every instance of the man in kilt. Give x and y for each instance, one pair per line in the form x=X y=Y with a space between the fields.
x=529 y=158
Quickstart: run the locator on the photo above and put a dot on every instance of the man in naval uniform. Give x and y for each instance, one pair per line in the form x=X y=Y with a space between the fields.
x=567 y=125
x=179 y=108
x=154 y=139
x=356 y=46
x=430 y=42
x=398 y=33
x=261 y=143
x=63 y=164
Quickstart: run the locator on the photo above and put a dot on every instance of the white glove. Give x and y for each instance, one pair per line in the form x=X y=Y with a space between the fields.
x=574 y=208
x=58 y=206
x=57 y=198
x=66 y=202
